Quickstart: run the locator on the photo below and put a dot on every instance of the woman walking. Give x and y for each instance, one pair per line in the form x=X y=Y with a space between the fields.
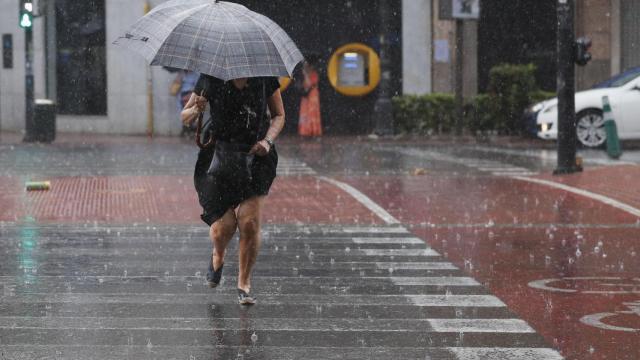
x=247 y=116
x=310 y=123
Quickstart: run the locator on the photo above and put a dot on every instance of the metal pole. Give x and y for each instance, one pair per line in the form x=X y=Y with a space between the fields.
x=566 y=90
x=383 y=111
x=459 y=97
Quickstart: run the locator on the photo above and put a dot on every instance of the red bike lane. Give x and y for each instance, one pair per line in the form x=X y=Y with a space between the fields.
x=565 y=263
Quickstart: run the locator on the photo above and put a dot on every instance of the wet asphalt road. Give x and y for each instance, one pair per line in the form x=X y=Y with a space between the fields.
x=88 y=289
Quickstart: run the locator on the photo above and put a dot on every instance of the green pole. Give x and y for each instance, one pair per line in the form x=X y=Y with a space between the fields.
x=614 y=149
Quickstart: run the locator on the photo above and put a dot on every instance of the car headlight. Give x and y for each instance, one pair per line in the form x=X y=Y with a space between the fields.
x=551 y=108
x=545 y=127
x=537 y=107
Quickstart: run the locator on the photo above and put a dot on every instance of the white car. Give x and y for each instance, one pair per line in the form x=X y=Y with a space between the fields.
x=624 y=95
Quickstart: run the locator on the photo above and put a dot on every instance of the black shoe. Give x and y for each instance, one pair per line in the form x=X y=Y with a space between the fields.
x=245 y=299
x=214 y=276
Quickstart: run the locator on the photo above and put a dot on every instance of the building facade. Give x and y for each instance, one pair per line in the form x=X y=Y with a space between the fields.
x=105 y=89
x=101 y=88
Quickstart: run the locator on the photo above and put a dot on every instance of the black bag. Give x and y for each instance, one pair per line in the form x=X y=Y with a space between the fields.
x=232 y=161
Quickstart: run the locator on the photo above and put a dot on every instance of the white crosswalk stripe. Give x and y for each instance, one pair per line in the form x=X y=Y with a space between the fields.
x=495 y=168
x=293 y=167
x=387 y=289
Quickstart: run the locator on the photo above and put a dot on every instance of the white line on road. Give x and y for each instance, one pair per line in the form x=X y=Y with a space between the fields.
x=456 y=300
x=398 y=252
x=481 y=325
x=101 y=299
x=364 y=200
x=435 y=280
x=513 y=326
x=604 y=199
x=492 y=353
x=415 y=266
x=389 y=240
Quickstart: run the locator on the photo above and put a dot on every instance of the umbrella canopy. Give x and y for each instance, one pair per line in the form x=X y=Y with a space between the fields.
x=222 y=39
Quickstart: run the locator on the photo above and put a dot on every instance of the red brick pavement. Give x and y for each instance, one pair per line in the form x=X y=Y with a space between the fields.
x=483 y=200
x=617 y=182
x=507 y=233
x=169 y=199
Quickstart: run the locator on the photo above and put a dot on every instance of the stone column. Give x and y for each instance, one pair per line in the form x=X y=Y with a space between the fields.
x=416 y=46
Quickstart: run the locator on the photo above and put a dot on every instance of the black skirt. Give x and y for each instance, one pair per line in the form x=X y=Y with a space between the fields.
x=218 y=195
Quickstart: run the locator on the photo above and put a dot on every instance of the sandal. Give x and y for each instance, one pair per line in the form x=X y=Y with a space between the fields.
x=214 y=276
x=245 y=299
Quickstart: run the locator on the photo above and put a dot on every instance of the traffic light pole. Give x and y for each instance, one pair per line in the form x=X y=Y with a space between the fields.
x=29 y=86
x=567 y=139
x=459 y=86
x=383 y=110
x=26 y=22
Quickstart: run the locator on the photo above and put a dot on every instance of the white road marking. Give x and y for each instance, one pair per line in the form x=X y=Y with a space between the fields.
x=494 y=353
x=363 y=199
x=603 y=199
x=601 y=281
x=94 y=299
x=503 y=169
x=481 y=325
x=399 y=252
x=511 y=174
x=513 y=326
x=415 y=266
x=435 y=280
x=456 y=300
x=389 y=240
x=597 y=320
x=359 y=229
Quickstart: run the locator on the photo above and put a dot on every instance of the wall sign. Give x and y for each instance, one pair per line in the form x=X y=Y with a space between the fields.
x=459 y=9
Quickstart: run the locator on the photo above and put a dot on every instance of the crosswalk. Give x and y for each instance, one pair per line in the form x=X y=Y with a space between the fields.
x=324 y=292
x=292 y=167
x=492 y=167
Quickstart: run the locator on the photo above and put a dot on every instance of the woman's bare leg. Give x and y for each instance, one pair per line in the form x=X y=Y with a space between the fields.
x=221 y=233
x=248 y=217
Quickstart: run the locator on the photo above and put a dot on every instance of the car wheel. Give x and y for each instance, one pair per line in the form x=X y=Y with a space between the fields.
x=590 y=128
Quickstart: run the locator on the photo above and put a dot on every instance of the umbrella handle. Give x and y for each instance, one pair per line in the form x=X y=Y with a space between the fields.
x=209 y=143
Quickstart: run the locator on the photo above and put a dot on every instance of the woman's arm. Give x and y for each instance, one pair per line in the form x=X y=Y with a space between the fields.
x=277 y=124
x=193 y=108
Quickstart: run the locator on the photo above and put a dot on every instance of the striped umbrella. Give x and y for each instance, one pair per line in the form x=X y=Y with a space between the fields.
x=222 y=39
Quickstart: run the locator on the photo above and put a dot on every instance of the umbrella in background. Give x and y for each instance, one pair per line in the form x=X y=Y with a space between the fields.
x=222 y=39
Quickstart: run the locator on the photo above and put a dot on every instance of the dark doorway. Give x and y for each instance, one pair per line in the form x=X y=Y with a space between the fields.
x=321 y=27
x=518 y=32
x=81 y=57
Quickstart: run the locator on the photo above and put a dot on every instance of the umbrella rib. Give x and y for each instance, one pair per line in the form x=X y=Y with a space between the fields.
x=244 y=49
x=213 y=61
x=198 y=32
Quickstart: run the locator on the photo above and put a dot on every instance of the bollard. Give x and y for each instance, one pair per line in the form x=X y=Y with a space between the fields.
x=613 y=142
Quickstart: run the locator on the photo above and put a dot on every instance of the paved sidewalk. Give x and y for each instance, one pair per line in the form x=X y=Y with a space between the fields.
x=616 y=182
